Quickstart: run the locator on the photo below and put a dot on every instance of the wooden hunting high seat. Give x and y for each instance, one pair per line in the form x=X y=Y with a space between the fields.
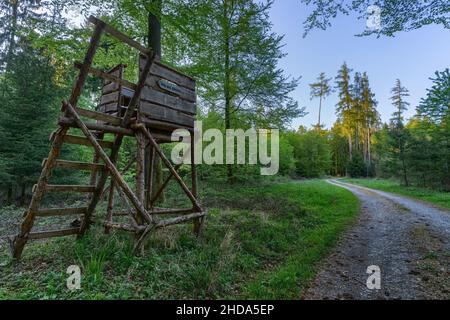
x=162 y=101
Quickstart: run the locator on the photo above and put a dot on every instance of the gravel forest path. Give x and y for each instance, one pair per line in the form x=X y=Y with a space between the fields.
x=409 y=240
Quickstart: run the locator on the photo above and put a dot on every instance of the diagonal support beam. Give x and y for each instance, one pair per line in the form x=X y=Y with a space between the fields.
x=118 y=179
x=137 y=93
x=115 y=150
x=169 y=177
x=169 y=165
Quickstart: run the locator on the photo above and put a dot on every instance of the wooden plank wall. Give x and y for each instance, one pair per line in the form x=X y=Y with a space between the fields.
x=169 y=96
x=109 y=102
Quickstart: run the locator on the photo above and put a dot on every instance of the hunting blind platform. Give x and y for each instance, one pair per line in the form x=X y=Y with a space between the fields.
x=162 y=101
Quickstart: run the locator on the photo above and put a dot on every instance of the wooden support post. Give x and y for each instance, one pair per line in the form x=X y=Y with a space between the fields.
x=140 y=177
x=137 y=93
x=130 y=212
x=167 y=180
x=96 y=160
x=150 y=166
x=197 y=221
x=22 y=238
x=169 y=166
x=163 y=186
x=109 y=210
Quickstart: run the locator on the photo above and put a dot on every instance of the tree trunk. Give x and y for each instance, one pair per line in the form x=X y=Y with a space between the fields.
x=227 y=81
x=23 y=193
x=320 y=111
x=12 y=36
x=350 y=146
x=9 y=195
x=154 y=41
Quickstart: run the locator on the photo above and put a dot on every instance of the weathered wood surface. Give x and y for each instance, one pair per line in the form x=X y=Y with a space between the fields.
x=198 y=222
x=111 y=107
x=110 y=98
x=161 y=125
x=55 y=212
x=110 y=207
x=69 y=188
x=53 y=234
x=158 y=112
x=85 y=142
x=163 y=71
x=178 y=220
x=154 y=96
x=163 y=211
x=137 y=93
x=122 y=226
x=150 y=176
x=172 y=88
x=140 y=173
x=63 y=121
x=76 y=165
x=99 y=116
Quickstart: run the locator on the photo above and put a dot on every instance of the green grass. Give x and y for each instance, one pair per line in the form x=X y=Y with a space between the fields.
x=439 y=198
x=261 y=242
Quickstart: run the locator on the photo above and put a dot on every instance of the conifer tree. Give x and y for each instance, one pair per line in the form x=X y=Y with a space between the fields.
x=29 y=108
x=320 y=89
x=398 y=132
x=345 y=103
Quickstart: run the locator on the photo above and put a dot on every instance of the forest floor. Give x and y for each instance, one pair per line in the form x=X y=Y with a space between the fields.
x=260 y=241
x=407 y=239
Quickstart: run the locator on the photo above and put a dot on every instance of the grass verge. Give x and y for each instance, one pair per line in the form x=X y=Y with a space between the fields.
x=261 y=243
x=439 y=198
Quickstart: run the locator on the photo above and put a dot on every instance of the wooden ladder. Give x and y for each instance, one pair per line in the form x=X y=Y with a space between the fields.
x=93 y=133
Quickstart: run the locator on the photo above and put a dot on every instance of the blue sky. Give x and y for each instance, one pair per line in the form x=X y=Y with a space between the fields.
x=413 y=57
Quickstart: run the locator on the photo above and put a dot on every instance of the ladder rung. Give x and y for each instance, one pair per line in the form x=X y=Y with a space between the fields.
x=178 y=220
x=69 y=188
x=66 y=164
x=53 y=233
x=122 y=226
x=60 y=212
x=63 y=121
x=99 y=116
x=85 y=142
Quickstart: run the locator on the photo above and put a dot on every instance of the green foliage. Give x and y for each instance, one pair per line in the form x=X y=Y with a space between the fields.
x=269 y=251
x=357 y=167
x=311 y=153
x=418 y=152
x=358 y=118
x=396 y=16
x=339 y=150
x=437 y=102
x=287 y=160
x=28 y=110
